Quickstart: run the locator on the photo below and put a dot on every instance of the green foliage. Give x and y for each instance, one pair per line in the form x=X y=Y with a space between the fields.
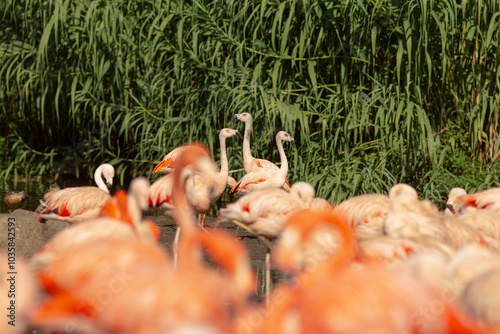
x=369 y=90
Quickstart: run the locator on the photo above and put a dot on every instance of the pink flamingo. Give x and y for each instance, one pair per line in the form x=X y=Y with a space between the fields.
x=250 y=163
x=264 y=178
x=76 y=204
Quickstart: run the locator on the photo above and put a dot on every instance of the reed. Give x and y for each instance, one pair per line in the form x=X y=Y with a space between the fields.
x=373 y=92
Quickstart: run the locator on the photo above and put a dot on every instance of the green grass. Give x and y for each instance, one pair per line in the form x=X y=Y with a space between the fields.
x=374 y=93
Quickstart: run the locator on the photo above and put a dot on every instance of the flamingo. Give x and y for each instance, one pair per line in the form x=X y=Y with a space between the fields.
x=481 y=298
x=485 y=221
x=15 y=199
x=222 y=177
x=338 y=297
x=485 y=200
x=365 y=213
x=80 y=203
x=266 y=177
x=470 y=262
x=266 y=211
x=199 y=192
x=168 y=162
x=120 y=219
x=453 y=198
x=250 y=163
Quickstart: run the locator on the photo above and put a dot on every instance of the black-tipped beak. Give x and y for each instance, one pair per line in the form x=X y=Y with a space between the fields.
x=450 y=207
x=108 y=185
x=239 y=134
x=235 y=117
x=292 y=141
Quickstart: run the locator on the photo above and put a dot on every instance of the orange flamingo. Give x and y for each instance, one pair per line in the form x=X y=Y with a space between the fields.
x=250 y=163
x=168 y=162
x=266 y=177
x=155 y=298
x=79 y=203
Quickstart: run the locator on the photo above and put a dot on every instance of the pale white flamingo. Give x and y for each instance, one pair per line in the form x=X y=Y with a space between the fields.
x=120 y=219
x=365 y=213
x=76 y=204
x=453 y=198
x=265 y=211
x=406 y=219
x=484 y=200
x=222 y=177
x=481 y=298
x=250 y=163
x=15 y=199
x=485 y=221
x=470 y=262
x=264 y=178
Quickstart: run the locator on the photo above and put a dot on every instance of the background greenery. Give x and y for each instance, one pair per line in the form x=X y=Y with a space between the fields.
x=374 y=92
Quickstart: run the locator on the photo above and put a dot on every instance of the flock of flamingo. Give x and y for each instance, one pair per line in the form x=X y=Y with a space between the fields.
x=371 y=264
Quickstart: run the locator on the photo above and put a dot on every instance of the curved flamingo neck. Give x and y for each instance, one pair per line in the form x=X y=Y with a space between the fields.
x=247 y=153
x=224 y=165
x=284 y=160
x=184 y=213
x=98 y=179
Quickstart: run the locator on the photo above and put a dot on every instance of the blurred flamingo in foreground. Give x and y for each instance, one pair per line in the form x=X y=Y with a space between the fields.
x=153 y=297
x=76 y=204
x=340 y=296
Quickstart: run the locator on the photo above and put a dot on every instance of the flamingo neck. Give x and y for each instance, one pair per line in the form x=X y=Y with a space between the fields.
x=98 y=179
x=284 y=161
x=224 y=165
x=247 y=154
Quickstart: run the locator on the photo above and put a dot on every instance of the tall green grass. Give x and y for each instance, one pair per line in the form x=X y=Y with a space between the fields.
x=374 y=92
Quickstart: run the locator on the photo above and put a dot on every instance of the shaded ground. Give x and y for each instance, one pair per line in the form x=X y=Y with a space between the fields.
x=30 y=237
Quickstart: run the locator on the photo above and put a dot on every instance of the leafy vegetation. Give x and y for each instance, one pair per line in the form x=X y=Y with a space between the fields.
x=374 y=93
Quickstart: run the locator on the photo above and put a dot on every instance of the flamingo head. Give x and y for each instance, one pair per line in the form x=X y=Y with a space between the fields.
x=284 y=136
x=303 y=191
x=243 y=117
x=108 y=172
x=226 y=133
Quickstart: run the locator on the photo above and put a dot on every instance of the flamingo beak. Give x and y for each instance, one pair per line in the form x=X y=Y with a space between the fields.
x=239 y=134
x=235 y=117
x=160 y=166
x=292 y=141
x=451 y=208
